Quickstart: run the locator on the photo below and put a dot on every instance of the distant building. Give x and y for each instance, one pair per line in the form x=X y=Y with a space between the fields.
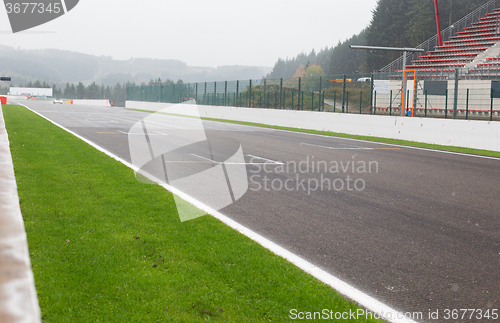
x=31 y=91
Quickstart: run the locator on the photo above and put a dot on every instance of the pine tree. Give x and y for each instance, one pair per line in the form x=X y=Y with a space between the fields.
x=80 y=91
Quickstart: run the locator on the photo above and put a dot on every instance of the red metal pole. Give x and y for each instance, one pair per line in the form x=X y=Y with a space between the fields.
x=437 y=23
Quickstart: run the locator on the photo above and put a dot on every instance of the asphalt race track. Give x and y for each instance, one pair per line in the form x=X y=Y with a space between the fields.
x=417 y=229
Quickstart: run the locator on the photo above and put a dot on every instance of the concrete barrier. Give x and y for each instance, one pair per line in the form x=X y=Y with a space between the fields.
x=459 y=133
x=102 y=103
x=18 y=299
x=17 y=97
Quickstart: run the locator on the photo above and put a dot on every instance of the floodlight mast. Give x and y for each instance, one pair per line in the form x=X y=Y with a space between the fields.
x=438 y=26
x=398 y=49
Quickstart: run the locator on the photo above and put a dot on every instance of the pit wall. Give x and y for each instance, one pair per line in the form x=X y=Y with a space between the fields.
x=460 y=133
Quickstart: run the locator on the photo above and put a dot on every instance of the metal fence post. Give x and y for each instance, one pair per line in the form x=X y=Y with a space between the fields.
x=196 y=93
x=205 y=94
x=215 y=94
x=360 y=101
x=415 y=94
x=491 y=108
x=281 y=93
x=375 y=102
x=225 y=93
x=425 y=103
x=298 y=94
x=323 y=101
x=343 y=93
x=237 y=93
x=319 y=97
x=265 y=106
x=455 y=98
x=467 y=106
x=390 y=104
x=334 y=100
x=250 y=95
x=446 y=104
x=408 y=104
x=347 y=102
x=372 y=87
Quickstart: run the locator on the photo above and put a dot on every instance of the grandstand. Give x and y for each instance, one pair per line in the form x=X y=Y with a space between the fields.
x=476 y=49
x=471 y=44
x=470 y=50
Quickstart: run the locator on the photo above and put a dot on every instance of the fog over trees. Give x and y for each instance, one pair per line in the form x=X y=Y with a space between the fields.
x=394 y=23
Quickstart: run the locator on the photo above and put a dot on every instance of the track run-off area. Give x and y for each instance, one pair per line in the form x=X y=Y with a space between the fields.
x=416 y=229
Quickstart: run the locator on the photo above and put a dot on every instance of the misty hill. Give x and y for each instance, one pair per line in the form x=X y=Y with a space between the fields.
x=58 y=67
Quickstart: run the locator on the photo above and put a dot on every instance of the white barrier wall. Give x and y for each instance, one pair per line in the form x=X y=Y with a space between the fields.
x=102 y=103
x=460 y=133
x=16 y=97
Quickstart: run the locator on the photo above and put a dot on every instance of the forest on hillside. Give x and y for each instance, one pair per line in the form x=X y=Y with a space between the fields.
x=93 y=91
x=394 y=23
x=61 y=66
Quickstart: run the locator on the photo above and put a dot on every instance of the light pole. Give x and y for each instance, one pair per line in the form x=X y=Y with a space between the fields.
x=398 y=49
x=438 y=26
x=405 y=51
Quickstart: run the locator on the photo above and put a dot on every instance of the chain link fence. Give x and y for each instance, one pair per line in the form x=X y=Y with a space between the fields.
x=440 y=95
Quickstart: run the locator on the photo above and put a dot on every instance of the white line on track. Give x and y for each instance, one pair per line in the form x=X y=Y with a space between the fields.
x=142 y=134
x=339 y=148
x=269 y=160
x=216 y=162
x=213 y=161
x=101 y=121
x=342 y=287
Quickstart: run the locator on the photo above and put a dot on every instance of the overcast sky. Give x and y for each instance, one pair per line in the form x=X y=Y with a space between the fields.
x=198 y=32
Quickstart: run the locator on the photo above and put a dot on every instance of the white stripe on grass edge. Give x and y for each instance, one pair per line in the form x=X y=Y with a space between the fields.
x=340 y=286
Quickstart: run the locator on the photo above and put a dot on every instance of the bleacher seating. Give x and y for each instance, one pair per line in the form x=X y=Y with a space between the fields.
x=463 y=49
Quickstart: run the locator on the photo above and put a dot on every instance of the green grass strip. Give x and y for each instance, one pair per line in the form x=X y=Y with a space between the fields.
x=106 y=248
x=409 y=143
